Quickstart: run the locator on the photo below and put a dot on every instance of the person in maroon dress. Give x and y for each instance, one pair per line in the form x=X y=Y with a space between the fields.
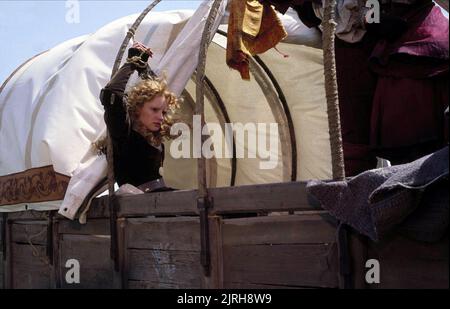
x=393 y=83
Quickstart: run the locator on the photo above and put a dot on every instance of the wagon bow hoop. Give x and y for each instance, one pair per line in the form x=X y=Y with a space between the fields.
x=109 y=155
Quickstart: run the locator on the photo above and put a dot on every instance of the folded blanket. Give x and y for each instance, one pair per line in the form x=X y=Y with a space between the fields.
x=412 y=197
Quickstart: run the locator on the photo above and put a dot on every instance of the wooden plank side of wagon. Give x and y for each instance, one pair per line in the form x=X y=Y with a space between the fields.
x=295 y=251
x=29 y=267
x=410 y=264
x=162 y=253
x=28 y=264
x=89 y=246
x=2 y=251
x=243 y=199
x=159 y=245
x=264 y=198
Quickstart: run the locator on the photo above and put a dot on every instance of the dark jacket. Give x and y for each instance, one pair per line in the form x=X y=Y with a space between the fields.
x=135 y=160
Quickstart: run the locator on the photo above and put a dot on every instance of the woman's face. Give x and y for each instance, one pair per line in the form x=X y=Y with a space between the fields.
x=151 y=114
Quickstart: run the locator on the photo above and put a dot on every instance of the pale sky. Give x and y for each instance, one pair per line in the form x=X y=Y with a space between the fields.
x=30 y=27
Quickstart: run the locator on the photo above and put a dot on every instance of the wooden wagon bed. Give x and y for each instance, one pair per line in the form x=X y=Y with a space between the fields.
x=263 y=236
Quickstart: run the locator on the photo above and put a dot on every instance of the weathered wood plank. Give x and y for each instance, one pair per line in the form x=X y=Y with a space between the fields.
x=246 y=285
x=2 y=250
x=28 y=215
x=163 y=252
x=92 y=227
x=160 y=203
x=288 y=196
x=56 y=254
x=92 y=253
x=405 y=263
x=30 y=269
x=285 y=251
x=179 y=269
x=215 y=280
x=177 y=233
x=290 y=229
x=243 y=199
x=2 y=276
x=7 y=252
x=138 y=284
x=313 y=265
x=99 y=208
x=29 y=231
x=123 y=254
x=359 y=255
x=32 y=234
x=2 y=232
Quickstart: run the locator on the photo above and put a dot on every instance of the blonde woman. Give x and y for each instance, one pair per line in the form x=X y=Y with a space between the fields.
x=138 y=121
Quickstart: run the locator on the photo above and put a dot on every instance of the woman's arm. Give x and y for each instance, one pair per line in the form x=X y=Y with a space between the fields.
x=112 y=99
x=112 y=94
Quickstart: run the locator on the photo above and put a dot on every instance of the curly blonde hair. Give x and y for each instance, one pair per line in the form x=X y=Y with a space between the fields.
x=145 y=91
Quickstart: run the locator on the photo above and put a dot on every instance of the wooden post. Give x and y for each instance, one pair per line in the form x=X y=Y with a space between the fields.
x=215 y=281
x=56 y=257
x=3 y=239
x=4 y=218
x=202 y=201
x=359 y=256
x=9 y=257
x=123 y=252
x=49 y=248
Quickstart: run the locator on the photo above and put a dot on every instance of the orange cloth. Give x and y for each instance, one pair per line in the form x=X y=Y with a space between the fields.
x=253 y=28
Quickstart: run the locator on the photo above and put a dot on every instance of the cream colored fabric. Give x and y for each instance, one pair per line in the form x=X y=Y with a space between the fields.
x=298 y=33
x=302 y=81
x=26 y=112
x=181 y=57
x=84 y=179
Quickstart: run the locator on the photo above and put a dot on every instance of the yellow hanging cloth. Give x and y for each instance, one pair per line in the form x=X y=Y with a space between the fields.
x=253 y=28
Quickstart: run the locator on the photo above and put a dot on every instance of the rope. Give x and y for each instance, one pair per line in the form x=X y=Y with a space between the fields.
x=199 y=106
x=331 y=90
x=334 y=123
x=34 y=250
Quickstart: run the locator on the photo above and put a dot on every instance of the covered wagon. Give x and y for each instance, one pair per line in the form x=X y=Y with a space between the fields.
x=231 y=223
